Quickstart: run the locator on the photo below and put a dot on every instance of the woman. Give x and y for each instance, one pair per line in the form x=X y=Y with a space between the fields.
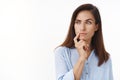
x=82 y=56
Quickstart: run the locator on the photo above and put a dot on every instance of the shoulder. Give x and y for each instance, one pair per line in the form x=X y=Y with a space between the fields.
x=108 y=63
x=60 y=50
x=109 y=60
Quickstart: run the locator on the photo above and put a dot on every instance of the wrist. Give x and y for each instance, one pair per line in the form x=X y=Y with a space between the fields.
x=82 y=58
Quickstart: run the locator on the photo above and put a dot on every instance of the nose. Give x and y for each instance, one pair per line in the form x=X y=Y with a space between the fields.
x=82 y=27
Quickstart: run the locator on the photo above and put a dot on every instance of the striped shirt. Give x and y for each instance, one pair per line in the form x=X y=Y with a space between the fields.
x=66 y=58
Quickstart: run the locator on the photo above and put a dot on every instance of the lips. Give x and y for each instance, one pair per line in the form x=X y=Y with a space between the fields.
x=83 y=33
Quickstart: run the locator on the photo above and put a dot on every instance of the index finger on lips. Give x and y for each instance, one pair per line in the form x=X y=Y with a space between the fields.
x=76 y=37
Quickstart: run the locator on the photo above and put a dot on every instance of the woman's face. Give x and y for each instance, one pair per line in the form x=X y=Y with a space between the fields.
x=85 y=25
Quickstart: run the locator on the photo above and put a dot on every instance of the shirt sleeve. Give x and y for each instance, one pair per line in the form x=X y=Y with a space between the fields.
x=62 y=72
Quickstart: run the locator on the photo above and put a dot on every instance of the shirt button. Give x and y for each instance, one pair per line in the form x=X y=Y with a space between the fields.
x=87 y=73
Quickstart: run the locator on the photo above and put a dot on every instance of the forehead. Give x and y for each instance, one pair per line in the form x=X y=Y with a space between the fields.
x=85 y=15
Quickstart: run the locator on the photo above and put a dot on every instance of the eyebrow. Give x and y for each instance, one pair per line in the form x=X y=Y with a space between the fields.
x=90 y=19
x=85 y=20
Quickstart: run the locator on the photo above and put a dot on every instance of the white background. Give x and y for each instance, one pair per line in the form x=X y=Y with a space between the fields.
x=31 y=29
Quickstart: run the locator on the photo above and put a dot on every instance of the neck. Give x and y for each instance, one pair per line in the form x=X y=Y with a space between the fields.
x=90 y=46
x=89 y=43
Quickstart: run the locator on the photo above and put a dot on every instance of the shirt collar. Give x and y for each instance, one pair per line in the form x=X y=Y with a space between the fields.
x=91 y=54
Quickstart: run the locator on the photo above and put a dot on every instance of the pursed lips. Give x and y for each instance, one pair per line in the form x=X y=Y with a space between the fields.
x=83 y=33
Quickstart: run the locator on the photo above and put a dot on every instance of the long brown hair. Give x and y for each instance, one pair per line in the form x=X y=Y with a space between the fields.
x=97 y=39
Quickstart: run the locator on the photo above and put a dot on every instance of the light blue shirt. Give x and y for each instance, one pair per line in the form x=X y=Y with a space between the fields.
x=66 y=58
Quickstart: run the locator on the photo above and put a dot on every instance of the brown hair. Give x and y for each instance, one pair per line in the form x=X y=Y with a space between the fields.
x=97 y=39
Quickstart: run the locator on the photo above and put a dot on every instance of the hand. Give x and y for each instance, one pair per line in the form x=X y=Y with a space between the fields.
x=82 y=47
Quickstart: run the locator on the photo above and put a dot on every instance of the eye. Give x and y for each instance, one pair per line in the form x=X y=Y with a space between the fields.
x=77 y=22
x=88 y=22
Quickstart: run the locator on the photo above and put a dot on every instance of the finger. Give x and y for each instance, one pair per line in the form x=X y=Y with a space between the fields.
x=85 y=45
x=76 y=37
x=85 y=48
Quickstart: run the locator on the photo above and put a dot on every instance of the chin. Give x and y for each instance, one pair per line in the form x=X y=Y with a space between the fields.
x=83 y=38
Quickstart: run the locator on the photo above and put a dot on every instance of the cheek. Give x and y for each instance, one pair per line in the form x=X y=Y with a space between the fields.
x=77 y=30
x=92 y=32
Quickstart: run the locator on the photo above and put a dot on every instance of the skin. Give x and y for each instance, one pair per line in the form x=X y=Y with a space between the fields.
x=85 y=28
